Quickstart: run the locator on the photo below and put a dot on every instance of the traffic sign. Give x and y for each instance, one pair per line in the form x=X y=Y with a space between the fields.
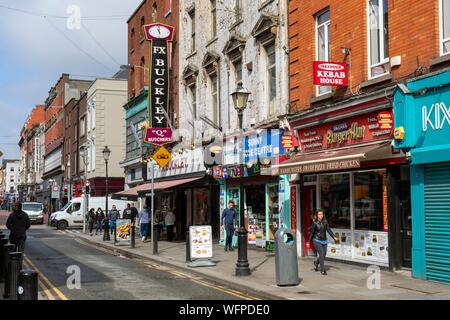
x=162 y=157
x=158 y=136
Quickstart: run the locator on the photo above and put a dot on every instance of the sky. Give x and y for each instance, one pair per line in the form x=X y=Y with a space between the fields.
x=35 y=51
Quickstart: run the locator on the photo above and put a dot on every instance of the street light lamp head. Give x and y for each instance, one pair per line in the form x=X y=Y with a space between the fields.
x=106 y=153
x=240 y=97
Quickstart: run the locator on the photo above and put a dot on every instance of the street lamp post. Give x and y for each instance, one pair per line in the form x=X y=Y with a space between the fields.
x=106 y=154
x=83 y=153
x=69 y=177
x=240 y=99
x=50 y=202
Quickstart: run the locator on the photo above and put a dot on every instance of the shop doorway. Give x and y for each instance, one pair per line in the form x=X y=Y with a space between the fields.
x=405 y=223
x=309 y=201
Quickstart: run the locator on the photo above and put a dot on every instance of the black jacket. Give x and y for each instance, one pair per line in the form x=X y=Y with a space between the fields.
x=18 y=223
x=319 y=231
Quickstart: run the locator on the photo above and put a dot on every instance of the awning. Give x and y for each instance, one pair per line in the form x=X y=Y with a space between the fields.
x=333 y=160
x=164 y=185
x=130 y=194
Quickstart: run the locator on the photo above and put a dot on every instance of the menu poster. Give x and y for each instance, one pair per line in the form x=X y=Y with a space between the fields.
x=343 y=246
x=371 y=246
x=200 y=238
x=123 y=230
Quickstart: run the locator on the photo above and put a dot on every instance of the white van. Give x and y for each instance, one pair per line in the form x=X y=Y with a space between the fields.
x=35 y=211
x=71 y=215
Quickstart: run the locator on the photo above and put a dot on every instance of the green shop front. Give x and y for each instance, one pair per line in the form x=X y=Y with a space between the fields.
x=422 y=121
x=265 y=201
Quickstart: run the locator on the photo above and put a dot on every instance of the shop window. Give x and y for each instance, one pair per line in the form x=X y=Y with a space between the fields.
x=273 y=210
x=368 y=201
x=335 y=199
x=256 y=212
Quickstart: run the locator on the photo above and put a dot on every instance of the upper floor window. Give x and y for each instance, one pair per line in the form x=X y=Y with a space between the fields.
x=238 y=10
x=12 y=170
x=192 y=20
x=445 y=26
x=213 y=80
x=271 y=77
x=154 y=11
x=193 y=90
x=213 y=18
x=83 y=126
x=323 y=44
x=378 y=38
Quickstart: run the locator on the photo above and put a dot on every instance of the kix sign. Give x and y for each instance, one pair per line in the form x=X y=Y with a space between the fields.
x=159 y=36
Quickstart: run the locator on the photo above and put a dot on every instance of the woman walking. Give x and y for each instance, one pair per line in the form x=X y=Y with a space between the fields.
x=99 y=215
x=319 y=229
x=91 y=220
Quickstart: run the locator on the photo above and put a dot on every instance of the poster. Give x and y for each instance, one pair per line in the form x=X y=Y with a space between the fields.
x=200 y=238
x=222 y=207
x=342 y=248
x=371 y=245
x=123 y=230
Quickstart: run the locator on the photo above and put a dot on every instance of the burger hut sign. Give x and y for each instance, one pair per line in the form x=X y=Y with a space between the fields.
x=330 y=73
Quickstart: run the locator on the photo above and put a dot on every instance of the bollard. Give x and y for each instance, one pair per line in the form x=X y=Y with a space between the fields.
x=28 y=285
x=155 y=240
x=188 y=248
x=133 y=238
x=12 y=275
x=7 y=248
x=3 y=242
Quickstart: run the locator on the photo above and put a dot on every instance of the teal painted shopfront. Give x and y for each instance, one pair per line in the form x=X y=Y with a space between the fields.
x=422 y=121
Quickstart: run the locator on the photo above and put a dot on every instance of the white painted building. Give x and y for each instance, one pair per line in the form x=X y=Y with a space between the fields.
x=11 y=169
x=222 y=43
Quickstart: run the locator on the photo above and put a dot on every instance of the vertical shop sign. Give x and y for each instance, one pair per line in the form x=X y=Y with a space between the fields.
x=385 y=203
x=293 y=200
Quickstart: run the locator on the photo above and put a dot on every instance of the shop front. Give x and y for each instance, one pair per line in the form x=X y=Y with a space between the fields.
x=348 y=168
x=265 y=203
x=422 y=128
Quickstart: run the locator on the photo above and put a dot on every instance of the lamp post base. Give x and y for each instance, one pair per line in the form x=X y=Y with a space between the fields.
x=242 y=265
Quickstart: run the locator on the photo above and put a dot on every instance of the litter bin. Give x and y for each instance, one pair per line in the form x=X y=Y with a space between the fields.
x=28 y=285
x=286 y=263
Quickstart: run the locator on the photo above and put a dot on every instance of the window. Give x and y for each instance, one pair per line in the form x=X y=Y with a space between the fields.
x=238 y=71
x=378 y=38
x=335 y=199
x=445 y=26
x=143 y=69
x=11 y=179
x=213 y=80
x=154 y=12
x=238 y=10
x=132 y=33
x=323 y=44
x=368 y=201
x=12 y=169
x=271 y=78
x=213 y=18
x=83 y=126
x=193 y=90
x=168 y=6
x=192 y=18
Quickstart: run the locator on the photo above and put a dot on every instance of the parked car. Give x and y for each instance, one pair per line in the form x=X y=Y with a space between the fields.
x=35 y=211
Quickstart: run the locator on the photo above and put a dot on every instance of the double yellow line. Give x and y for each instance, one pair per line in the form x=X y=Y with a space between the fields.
x=44 y=283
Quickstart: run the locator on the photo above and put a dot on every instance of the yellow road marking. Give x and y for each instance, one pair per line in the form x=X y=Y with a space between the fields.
x=41 y=286
x=46 y=281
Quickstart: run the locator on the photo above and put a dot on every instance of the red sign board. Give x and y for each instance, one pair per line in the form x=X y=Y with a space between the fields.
x=385 y=120
x=330 y=73
x=158 y=136
x=289 y=142
x=159 y=31
x=363 y=128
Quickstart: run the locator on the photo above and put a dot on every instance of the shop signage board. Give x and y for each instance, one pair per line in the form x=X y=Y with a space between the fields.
x=158 y=136
x=123 y=230
x=188 y=162
x=162 y=157
x=288 y=141
x=264 y=145
x=360 y=129
x=200 y=238
x=322 y=166
x=330 y=73
x=386 y=120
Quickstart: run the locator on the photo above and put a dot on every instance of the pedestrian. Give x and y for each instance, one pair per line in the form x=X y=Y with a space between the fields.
x=114 y=214
x=127 y=212
x=228 y=222
x=319 y=229
x=91 y=217
x=18 y=223
x=99 y=216
x=169 y=220
x=144 y=220
x=134 y=214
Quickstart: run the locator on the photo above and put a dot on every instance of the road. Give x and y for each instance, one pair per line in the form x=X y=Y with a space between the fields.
x=105 y=276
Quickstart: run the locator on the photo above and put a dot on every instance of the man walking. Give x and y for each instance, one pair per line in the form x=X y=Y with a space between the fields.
x=114 y=214
x=18 y=223
x=169 y=220
x=144 y=221
x=228 y=221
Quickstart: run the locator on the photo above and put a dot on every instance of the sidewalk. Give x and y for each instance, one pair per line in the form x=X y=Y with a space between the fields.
x=343 y=281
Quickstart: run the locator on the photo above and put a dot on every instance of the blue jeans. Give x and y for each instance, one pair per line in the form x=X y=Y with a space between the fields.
x=112 y=225
x=144 y=230
x=321 y=254
x=99 y=226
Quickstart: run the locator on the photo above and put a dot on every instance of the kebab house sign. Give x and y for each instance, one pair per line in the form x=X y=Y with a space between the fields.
x=330 y=73
x=366 y=128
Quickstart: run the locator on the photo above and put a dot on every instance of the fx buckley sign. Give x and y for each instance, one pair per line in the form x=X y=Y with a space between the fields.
x=159 y=35
x=330 y=73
